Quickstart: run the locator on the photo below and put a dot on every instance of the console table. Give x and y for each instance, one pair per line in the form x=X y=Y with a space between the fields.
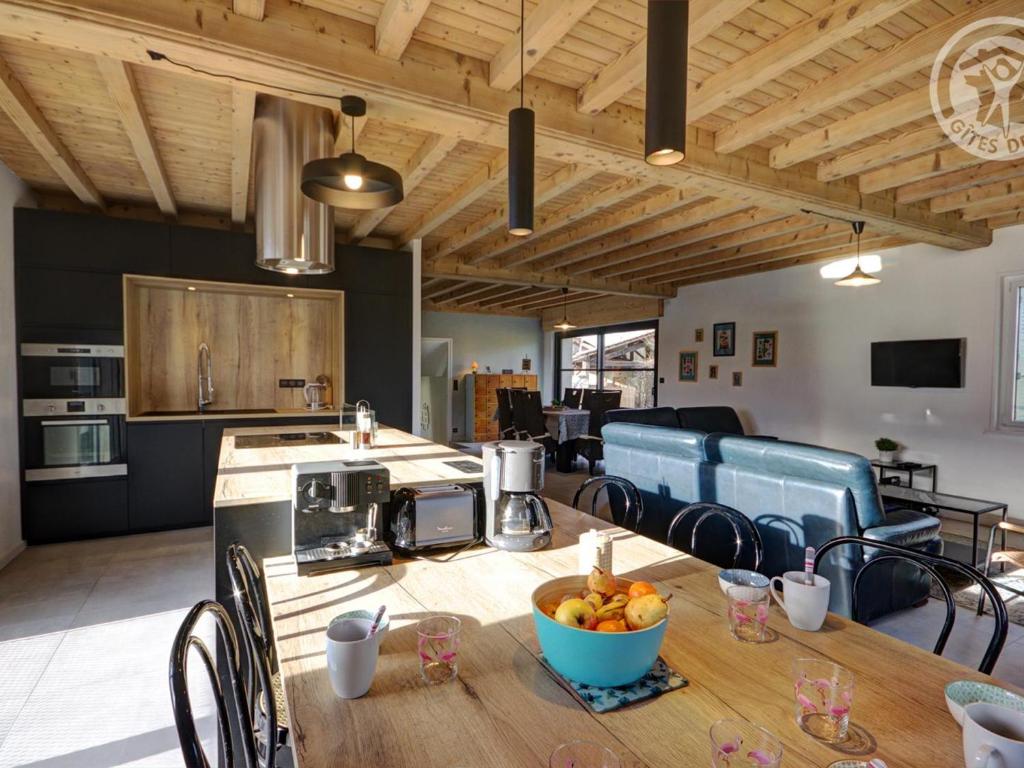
x=909 y=468
x=933 y=503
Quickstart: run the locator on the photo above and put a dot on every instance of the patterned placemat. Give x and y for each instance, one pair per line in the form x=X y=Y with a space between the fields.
x=661 y=679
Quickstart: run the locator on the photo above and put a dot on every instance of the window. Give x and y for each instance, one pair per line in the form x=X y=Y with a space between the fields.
x=623 y=357
x=1011 y=367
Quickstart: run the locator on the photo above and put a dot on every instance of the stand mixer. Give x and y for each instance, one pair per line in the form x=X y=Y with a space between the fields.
x=516 y=518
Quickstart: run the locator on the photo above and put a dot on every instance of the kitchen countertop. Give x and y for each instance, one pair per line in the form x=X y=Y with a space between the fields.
x=237 y=415
x=263 y=475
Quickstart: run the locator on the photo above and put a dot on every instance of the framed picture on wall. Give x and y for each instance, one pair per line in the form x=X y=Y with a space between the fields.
x=737 y=378
x=724 y=339
x=688 y=366
x=765 y=349
x=698 y=335
x=713 y=372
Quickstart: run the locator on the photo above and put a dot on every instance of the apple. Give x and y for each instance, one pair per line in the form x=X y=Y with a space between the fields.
x=645 y=611
x=601 y=581
x=576 y=613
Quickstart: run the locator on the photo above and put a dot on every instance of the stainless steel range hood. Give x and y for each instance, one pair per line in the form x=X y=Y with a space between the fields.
x=293 y=233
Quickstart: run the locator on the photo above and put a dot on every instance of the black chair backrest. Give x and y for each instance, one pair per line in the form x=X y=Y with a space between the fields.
x=710 y=418
x=506 y=425
x=186 y=640
x=572 y=398
x=933 y=565
x=600 y=401
x=625 y=504
x=658 y=417
x=747 y=550
x=247 y=587
x=528 y=413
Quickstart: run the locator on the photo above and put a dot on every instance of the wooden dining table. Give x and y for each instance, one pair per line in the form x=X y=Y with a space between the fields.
x=506 y=709
x=565 y=425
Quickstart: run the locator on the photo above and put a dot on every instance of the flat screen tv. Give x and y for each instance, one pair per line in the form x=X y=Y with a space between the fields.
x=935 y=363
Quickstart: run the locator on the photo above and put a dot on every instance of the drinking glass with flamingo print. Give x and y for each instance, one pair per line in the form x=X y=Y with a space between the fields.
x=824 y=697
x=748 y=612
x=437 y=642
x=739 y=744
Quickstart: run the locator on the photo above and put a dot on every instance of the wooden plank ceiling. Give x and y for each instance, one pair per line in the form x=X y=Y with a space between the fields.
x=794 y=105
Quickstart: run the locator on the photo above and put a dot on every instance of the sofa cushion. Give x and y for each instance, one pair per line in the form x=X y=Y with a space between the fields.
x=712 y=418
x=906 y=527
x=658 y=417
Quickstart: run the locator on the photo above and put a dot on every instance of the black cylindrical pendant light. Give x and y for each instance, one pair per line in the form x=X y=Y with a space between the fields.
x=520 y=153
x=668 y=24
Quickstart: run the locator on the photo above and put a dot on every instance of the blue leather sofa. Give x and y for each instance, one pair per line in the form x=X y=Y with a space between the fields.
x=707 y=418
x=797 y=495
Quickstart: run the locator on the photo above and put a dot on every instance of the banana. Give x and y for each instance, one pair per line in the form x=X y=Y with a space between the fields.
x=615 y=609
x=595 y=600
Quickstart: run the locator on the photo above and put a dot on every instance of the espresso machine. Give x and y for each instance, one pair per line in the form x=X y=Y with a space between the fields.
x=515 y=517
x=336 y=513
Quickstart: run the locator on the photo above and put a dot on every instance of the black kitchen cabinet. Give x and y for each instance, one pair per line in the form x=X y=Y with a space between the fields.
x=58 y=298
x=165 y=475
x=213 y=254
x=379 y=328
x=77 y=509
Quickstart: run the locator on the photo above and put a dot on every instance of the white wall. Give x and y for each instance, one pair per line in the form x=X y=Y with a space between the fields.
x=12 y=192
x=491 y=340
x=820 y=392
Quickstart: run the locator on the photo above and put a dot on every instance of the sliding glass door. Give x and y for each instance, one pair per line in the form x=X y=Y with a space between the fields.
x=623 y=357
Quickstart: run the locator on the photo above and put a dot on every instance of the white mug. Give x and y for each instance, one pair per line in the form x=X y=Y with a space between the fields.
x=993 y=736
x=805 y=605
x=351 y=655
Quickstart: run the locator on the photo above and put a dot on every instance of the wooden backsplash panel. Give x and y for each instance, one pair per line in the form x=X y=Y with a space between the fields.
x=257 y=336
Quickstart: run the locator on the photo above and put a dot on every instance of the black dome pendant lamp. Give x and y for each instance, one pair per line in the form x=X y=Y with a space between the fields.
x=350 y=180
x=520 y=151
x=668 y=24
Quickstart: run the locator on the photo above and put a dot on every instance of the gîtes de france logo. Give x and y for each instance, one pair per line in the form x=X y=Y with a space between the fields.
x=978 y=95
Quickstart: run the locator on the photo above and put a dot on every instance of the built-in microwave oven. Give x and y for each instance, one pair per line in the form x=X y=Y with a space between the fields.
x=56 y=371
x=69 y=439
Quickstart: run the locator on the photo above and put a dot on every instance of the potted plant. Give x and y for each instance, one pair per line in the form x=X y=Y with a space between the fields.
x=887 y=449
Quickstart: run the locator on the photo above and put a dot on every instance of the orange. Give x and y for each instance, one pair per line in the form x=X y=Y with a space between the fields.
x=612 y=625
x=641 y=588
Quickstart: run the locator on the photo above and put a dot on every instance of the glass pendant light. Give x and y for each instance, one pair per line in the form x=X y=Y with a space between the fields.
x=520 y=151
x=858 y=278
x=565 y=325
x=667 y=48
x=350 y=180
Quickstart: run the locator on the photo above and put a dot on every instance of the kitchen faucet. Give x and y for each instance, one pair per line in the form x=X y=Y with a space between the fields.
x=205 y=382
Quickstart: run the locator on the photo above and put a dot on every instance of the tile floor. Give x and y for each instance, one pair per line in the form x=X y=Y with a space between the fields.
x=85 y=631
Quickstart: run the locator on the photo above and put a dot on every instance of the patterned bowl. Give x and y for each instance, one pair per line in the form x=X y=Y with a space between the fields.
x=738 y=577
x=963 y=692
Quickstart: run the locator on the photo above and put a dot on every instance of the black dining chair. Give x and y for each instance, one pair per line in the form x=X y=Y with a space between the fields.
x=267 y=710
x=187 y=640
x=572 y=398
x=597 y=402
x=528 y=417
x=934 y=566
x=743 y=550
x=625 y=504
x=506 y=425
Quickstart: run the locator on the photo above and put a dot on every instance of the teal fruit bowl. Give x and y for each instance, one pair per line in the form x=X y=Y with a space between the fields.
x=601 y=659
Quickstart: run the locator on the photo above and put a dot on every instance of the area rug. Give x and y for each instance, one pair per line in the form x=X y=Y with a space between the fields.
x=966 y=592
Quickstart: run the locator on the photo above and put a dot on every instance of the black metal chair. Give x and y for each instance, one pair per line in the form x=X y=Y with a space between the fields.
x=747 y=551
x=528 y=418
x=267 y=710
x=571 y=398
x=930 y=564
x=632 y=503
x=186 y=640
x=591 y=446
x=506 y=425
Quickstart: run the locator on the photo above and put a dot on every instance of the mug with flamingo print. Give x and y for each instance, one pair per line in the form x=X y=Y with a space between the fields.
x=748 y=613
x=824 y=698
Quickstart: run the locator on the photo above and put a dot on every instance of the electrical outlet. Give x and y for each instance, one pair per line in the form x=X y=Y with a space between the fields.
x=291 y=383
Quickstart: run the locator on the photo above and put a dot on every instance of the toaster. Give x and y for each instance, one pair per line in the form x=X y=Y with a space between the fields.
x=434 y=517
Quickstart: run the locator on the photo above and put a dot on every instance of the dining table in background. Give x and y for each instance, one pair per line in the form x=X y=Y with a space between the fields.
x=506 y=709
x=565 y=425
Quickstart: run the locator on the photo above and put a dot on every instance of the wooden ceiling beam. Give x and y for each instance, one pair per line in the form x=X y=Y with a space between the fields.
x=253 y=9
x=439 y=286
x=125 y=94
x=502 y=242
x=973 y=196
x=836 y=22
x=883 y=152
x=471 y=309
x=958 y=181
x=544 y=280
x=434 y=149
x=870 y=73
x=471 y=290
x=917 y=168
x=1007 y=220
x=397 y=21
x=545 y=26
x=556 y=300
x=629 y=70
x=547 y=189
x=243 y=112
x=467 y=193
x=298 y=48
x=501 y=298
x=993 y=208
x=492 y=292
x=23 y=112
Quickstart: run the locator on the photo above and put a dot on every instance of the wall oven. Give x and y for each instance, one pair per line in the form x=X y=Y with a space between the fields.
x=56 y=371
x=70 y=439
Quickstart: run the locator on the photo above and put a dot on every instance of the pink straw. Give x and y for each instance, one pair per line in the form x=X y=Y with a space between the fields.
x=376 y=621
x=809 y=566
